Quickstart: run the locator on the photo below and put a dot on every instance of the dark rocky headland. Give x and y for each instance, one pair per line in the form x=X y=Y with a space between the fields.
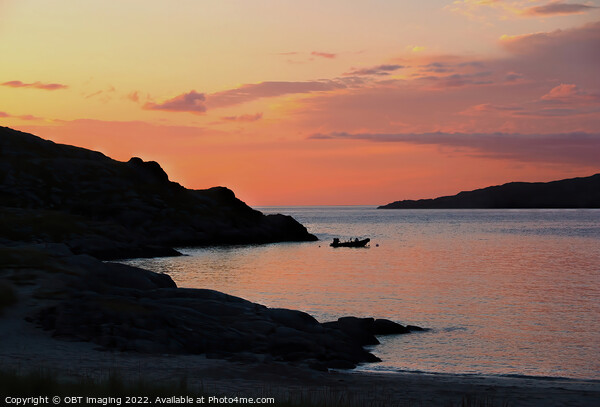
x=109 y=209
x=64 y=209
x=583 y=192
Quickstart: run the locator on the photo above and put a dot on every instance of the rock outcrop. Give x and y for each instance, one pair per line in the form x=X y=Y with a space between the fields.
x=109 y=209
x=568 y=193
x=124 y=308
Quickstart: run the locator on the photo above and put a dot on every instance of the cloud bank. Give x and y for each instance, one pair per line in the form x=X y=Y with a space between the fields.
x=34 y=85
x=571 y=148
x=375 y=70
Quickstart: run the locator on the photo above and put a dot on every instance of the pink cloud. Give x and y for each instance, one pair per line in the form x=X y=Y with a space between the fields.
x=561 y=55
x=198 y=103
x=35 y=85
x=569 y=93
x=191 y=102
x=513 y=77
x=513 y=100
x=327 y=55
x=489 y=107
x=561 y=101
x=254 y=91
x=134 y=96
x=380 y=70
x=27 y=117
x=558 y=8
x=460 y=79
x=243 y=118
x=476 y=9
x=570 y=148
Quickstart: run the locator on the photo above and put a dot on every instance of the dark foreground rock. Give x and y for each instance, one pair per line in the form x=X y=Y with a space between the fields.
x=364 y=330
x=125 y=308
x=109 y=209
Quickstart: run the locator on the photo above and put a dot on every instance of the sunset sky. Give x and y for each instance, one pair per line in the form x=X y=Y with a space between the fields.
x=313 y=102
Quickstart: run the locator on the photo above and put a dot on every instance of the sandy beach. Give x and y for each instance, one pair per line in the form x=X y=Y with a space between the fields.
x=26 y=348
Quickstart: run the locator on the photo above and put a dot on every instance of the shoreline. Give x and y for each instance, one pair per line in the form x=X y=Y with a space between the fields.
x=26 y=349
x=360 y=370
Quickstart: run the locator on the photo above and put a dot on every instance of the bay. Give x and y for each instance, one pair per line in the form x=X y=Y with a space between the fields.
x=504 y=292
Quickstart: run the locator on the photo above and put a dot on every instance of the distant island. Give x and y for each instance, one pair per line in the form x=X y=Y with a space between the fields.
x=581 y=192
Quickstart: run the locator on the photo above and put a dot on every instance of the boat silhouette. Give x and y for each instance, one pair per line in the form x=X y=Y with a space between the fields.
x=350 y=243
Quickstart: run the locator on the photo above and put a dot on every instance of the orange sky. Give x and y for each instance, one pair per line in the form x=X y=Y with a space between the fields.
x=313 y=102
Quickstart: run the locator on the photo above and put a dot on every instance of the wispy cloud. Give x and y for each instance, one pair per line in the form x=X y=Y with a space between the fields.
x=243 y=118
x=460 y=79
x=254 y=91
x=34 y=85
x=557 y=8
x=489 y=107
x=380 y=70
x=561 y=101
x=328 y=55
x=436 y=92
x=569 y=93
x=577 y=147
x=585 y=38
x=564 y=55
x=477 y=9
x=298 y=58
x=27 y=117
x=191 y=102
x=134 y=96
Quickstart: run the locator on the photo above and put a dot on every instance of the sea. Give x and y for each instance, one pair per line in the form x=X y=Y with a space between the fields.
x=502 y=292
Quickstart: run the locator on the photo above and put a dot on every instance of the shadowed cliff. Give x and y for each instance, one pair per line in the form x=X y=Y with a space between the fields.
x=58 y=193
x=568 y=193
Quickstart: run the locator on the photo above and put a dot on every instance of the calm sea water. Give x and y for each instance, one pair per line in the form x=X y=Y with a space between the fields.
x=504 y=292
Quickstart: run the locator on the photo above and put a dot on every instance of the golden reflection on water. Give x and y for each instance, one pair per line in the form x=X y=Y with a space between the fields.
x=499 y=301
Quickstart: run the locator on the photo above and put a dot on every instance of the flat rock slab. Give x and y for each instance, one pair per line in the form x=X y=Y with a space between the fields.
x=130 y=309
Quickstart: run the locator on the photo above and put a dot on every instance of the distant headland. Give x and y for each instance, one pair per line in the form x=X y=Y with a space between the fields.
x=581 y=192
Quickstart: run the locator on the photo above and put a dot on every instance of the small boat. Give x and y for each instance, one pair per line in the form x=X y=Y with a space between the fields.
x=350 y=243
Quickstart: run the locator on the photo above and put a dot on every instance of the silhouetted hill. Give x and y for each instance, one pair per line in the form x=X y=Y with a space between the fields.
x=568 y=193
x=58 y=193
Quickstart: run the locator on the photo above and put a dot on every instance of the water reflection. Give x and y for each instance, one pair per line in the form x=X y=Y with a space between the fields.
x=505 y=291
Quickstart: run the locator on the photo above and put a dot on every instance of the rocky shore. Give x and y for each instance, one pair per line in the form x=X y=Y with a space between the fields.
x=63 y=209
x=110 y=209
x=119 y=307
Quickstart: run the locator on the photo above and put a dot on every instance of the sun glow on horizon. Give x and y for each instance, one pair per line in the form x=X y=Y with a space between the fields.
x=319 y=103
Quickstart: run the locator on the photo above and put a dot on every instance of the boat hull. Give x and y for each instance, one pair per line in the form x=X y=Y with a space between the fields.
x=351 y=243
